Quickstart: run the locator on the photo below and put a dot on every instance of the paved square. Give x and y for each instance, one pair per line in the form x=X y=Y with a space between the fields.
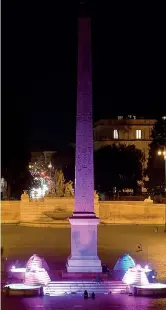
x=113 y=240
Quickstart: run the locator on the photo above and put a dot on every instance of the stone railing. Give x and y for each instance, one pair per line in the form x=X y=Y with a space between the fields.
x=132 y=212
x=47 y=210
x=57 y=210
x=50 y=209
x=10 y=211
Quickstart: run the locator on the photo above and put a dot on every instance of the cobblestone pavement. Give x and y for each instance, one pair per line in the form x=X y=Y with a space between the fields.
x=102 y=302
x=113 y=240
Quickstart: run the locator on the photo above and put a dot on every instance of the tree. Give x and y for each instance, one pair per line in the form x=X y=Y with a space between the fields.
x=155 y=167
x=65 y=160
x=17 y=175
x=119 y=167
x=41 y=177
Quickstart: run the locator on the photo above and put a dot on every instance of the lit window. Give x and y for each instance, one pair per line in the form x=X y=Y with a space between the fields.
x=116 y=135
x=138 y=134
x=120 y=117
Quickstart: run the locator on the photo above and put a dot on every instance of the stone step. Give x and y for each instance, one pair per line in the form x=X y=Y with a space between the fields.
x=108 y=283
x=80 y=286
x=68 y=287
x=88 y=281
x=83 y=284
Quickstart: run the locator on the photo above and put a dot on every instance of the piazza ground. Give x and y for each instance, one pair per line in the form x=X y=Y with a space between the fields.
x=71 y=302
x=53 y=244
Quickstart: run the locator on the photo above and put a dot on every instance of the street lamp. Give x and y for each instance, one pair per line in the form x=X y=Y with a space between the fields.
x=163 y=153
x=50 y=167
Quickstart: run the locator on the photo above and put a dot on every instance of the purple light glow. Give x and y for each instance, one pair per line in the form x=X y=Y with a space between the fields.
x=151 y=289
x=18 y=286
x=35 y=274
x=84 y=222
x=84 y=179
x=153 y=285
x=16 y=270
x=34 y=262
x=135 y=275
x=37 y=277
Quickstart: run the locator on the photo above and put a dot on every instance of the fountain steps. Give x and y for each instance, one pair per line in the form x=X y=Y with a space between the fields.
x=69 y=287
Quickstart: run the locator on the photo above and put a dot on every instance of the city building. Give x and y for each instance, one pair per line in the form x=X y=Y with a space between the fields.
x=126 y=131
x=46 y=156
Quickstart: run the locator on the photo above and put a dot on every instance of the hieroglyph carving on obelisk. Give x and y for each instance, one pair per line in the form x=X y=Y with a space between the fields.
x=84 y=221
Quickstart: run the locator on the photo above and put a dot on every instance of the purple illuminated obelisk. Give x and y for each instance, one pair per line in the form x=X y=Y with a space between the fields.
x=84 y=222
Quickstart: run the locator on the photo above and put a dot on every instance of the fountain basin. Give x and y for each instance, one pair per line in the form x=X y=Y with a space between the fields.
x=22 y=290
x=151 y=289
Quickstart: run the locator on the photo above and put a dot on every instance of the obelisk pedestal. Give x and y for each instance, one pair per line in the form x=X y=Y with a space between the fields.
x=84 y=222
x=84 y=243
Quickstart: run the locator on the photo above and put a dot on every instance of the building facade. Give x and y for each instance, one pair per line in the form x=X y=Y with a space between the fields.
x=126 y=131
x=46 y=156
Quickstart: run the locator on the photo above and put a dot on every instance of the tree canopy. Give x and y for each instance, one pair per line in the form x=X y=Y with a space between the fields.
x=65 y=160
x=117 y=166
x=17 y=174
x=155 y=168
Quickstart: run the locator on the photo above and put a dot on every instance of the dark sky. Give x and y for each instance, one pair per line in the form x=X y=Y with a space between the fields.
x=39 y=54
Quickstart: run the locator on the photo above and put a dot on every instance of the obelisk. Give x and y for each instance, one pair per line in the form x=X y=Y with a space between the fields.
x=84 y=222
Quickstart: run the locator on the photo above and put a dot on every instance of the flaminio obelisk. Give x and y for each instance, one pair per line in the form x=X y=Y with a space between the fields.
x=84 y=222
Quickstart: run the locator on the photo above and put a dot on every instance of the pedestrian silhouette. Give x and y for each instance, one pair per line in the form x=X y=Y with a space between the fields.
x=139 y=248
x=93 y=295
x=85 y=294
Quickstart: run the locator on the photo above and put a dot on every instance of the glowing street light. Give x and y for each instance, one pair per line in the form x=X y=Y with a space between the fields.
x=50 y=167
x=162 y=153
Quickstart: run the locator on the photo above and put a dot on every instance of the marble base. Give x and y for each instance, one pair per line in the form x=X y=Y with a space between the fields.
x=83 y=256
x=77 y=265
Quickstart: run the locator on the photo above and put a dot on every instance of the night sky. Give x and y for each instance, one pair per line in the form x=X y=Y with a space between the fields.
x=39 y=63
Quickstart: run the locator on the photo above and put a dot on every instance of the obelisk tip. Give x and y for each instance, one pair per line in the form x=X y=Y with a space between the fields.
x=84 y=8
